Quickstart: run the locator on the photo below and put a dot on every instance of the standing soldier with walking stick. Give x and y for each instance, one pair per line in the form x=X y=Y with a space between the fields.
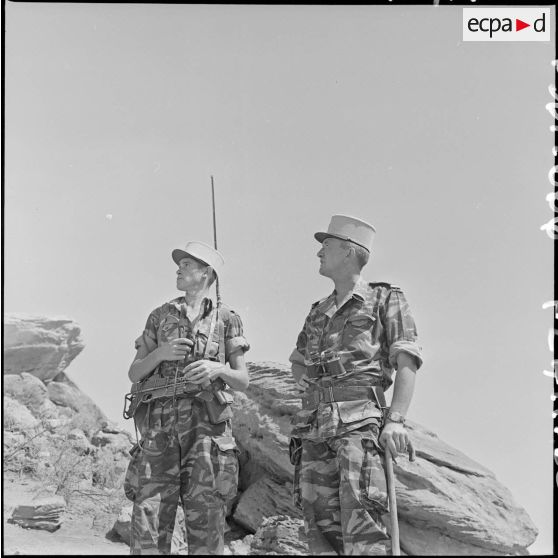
x=344 y=359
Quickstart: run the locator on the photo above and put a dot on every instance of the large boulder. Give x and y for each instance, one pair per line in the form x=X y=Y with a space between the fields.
x=66 y=395
x=39 y=345
x=17 y=417
x=446 y=497
x=262 y=417
x=448 y=504
x=27 y=389
x=262 y=499
x=282 y=535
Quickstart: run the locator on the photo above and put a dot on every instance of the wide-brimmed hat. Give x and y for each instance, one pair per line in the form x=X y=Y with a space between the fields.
x=349 y=228
x=201 y=252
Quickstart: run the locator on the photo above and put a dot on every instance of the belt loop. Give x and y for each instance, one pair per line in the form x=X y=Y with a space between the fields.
x=331 y=394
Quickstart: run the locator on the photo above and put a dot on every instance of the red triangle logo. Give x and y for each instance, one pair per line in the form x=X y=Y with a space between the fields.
x=519 y=25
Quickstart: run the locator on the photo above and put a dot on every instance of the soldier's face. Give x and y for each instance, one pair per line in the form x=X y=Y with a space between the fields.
x=190 y=274
x=332 y=257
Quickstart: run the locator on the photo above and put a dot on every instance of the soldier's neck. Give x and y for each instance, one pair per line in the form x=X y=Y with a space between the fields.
x=344 y=286
x=193 y=299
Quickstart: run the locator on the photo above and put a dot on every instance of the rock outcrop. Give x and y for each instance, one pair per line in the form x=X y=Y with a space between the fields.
x=448 y=504
x=282 y=535
x=262 y=499
x=52 y=430
x=39 y=345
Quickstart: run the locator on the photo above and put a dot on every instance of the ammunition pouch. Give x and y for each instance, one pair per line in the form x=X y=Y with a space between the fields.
x=219 y=407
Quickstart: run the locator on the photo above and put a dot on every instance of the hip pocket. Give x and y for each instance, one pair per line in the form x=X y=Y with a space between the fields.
x=154 y=443
x=225 y=466
x=131 y=480
x=373 y=479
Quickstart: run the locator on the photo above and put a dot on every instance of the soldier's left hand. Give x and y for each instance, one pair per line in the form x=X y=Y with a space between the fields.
x=202 y=371
x=394 y=436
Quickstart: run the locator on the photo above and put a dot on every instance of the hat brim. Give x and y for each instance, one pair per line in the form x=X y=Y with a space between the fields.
x=321 y=236
x=178 y=254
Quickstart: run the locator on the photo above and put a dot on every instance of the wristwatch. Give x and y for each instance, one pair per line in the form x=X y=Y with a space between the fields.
x=395 y=417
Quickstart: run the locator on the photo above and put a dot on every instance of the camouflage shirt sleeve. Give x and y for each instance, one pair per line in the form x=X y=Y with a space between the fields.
x=297 y=356
x=148 y=338
x=400 y=328
x=234 y=335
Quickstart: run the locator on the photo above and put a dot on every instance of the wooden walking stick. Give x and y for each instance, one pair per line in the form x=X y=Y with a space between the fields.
x=395 y=549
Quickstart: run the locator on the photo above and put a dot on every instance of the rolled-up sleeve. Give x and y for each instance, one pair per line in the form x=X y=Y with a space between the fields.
x=234 y=335
x=297 y=356
x=148 y=338
x=401 y=331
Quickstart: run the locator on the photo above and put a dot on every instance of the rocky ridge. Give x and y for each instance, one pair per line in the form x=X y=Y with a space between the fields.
x=448 y=503
x=54 y=433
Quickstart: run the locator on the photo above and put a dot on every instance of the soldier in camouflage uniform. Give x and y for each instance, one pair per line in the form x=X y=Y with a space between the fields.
x=344 y=359
x=185 y=455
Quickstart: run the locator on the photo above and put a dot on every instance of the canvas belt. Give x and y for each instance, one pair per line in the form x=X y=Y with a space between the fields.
x=331 y=394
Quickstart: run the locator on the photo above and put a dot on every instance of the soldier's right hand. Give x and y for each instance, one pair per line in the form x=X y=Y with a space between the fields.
x=177 y=349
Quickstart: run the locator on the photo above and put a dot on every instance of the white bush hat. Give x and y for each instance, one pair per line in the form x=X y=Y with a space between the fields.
x=201 y=252
x=349 y=228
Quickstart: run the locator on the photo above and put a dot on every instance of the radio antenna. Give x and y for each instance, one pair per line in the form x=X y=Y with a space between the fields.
x=217 y=292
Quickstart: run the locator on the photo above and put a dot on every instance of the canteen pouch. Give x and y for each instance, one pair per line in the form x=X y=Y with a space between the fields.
x=218 y=412
x=295 y=454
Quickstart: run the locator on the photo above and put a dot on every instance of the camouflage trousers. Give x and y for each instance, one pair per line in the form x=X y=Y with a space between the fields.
x=183 y=459
x=343 y=495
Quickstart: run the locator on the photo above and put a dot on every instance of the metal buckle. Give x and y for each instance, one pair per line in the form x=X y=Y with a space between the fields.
x=127 y=412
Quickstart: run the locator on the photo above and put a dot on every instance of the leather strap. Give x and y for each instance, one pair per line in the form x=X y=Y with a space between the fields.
x=214 y=318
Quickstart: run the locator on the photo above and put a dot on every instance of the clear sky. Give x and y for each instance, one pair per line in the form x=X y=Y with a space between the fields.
x=117 y=115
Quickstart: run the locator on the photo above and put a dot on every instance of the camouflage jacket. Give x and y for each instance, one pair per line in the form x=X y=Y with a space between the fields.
x=367 y=332
x=169 y=321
